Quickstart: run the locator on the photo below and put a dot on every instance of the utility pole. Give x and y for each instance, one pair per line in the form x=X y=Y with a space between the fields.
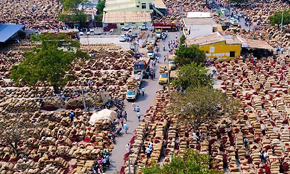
x=282 y=21
x=129 y=165
x=84 y=102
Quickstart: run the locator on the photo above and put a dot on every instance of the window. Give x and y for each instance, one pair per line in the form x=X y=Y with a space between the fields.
x=143 y=5
x=232 y=53
x=121 y=23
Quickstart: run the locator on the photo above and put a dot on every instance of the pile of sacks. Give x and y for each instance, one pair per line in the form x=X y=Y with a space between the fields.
x=54 y=145
x=33 y=14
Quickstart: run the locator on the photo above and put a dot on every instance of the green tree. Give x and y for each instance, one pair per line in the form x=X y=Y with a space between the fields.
x=71 y=11
x=188 y=54
x=101 y=6
x=49 y=62
x=202 y=105
x=182 y=40
x=193 y=75
x=190 y=163
x=277 y=16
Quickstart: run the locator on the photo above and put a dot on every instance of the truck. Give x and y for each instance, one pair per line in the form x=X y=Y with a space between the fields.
x=170 y=26
x=133 y=85
x=143 y=66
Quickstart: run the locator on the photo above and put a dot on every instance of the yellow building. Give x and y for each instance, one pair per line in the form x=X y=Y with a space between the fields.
x=218 y=46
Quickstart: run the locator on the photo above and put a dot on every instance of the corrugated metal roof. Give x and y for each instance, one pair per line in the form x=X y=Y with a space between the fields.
x=258 y=44
x=199 y=21
x=8 y=30
x=198 y=14
x=213 y=38
x=125 y=17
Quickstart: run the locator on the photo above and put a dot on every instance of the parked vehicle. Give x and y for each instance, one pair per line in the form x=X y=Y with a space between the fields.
x=110 y=26
x=126 y=28
x=122 y=38
x=163 y=79
x=143 y=27
x=165 y=26
x=150 y=53
x=172 y=65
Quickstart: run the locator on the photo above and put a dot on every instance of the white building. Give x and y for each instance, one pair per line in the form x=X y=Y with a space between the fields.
x=198 y=24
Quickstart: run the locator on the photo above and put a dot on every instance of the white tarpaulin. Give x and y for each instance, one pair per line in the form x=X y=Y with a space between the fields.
x=104 y=114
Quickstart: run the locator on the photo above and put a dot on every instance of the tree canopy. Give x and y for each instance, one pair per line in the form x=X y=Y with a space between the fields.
x=71 y=11
x=202 y=105
x=182 y=40
x=101 y=6
x=193 y=75
x=188 y=54
x=191 y=162
x=49 y=62
x=277 y=16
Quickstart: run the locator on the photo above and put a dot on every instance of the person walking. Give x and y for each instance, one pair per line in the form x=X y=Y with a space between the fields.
x=143 y=91
x=125 y=128
x=148 y=152
x=125 y=115
x=122 y=121
x=138 y=109
x=139 y=116
x=128 y=148
x=134 y=106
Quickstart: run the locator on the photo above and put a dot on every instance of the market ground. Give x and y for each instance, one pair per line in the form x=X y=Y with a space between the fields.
x=151 y=86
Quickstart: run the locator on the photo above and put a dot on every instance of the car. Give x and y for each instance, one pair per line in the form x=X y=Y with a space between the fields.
x=172 y=65
x=122 y=38
x=143 y=27
x=150 y=54
x=234 y=21
x=131 y=95
x=81 y=33
x=126 y=28
x=163 y=79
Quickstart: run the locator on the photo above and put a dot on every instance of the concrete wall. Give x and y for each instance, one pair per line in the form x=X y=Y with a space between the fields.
x=137 y=24
x=147 y=2
x=221 y=51
x=133 y=5
x=198 y=30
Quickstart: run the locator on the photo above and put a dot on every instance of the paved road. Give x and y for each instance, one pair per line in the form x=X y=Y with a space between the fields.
x=151 y=86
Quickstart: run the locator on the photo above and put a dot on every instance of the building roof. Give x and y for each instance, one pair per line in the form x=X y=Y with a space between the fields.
x=159 y=4
x=8 y=30
x=198 y=14
x=128 y=16
x=213 y=38
x=112 y=5
x=255 y=44
x=199 y=21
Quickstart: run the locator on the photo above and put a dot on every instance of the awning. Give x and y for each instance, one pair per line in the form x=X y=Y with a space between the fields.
x=8 y=30
x=254 y=44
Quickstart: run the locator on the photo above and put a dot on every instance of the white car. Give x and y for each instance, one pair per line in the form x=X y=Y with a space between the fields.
x=172 y=65
x=122 y=38
x=81 y=33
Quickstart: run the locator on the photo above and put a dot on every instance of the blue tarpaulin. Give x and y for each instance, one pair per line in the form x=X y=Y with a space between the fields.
x=8 y=30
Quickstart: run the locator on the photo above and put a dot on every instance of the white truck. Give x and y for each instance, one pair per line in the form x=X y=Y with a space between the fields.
x=133 y=85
